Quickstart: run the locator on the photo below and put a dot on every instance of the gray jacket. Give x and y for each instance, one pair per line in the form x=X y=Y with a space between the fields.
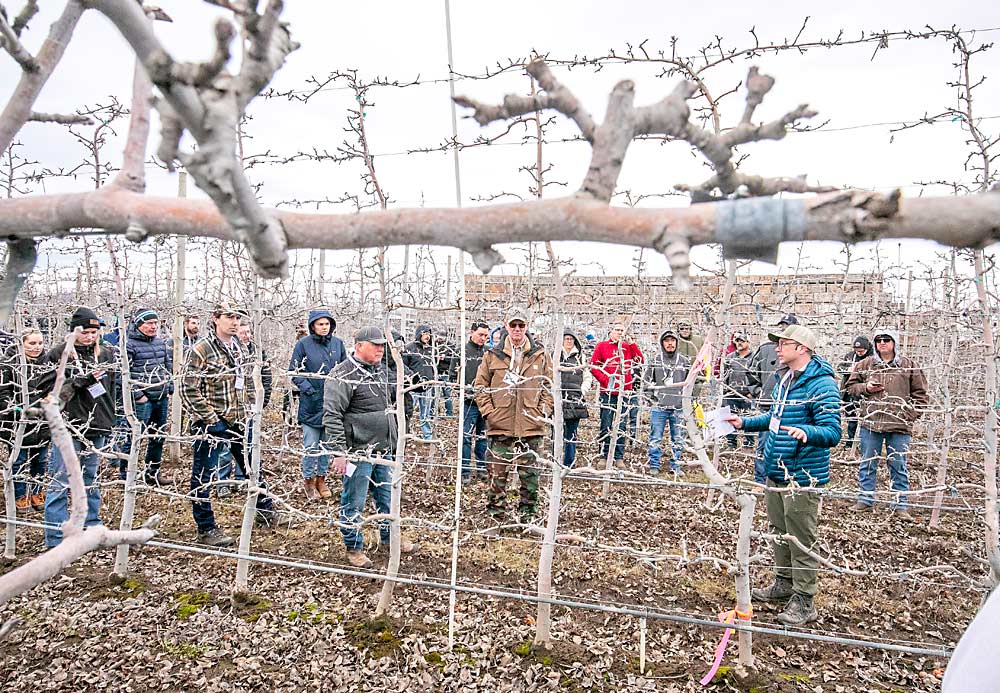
x=665 y=368
x=738 y=379
x=358 y=412
x=763 y=364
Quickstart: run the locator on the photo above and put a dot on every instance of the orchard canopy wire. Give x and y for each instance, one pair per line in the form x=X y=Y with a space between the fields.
x=542 y=447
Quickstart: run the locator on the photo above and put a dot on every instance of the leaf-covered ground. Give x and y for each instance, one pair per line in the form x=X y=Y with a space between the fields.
x=176 y=625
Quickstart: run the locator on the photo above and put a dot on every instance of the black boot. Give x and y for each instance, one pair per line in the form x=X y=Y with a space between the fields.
x=779 y=591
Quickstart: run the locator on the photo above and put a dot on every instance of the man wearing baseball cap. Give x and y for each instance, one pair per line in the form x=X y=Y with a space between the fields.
x=513 y=391
x=359 y=423
x=763 y=364
x=738 y=390
x=803 y=424
x=892 y=389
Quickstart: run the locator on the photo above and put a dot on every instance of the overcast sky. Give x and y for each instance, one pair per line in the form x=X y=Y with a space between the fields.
x=406 y=41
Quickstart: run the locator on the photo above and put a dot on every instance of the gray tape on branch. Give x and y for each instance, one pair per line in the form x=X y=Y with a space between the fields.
x=751 y=229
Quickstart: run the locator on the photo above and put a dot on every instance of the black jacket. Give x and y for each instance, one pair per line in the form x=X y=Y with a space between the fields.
x=36 y=434
x=573 y=405
x=473 y=357
x=358 y=409
x=420 y=357
x=93 y=414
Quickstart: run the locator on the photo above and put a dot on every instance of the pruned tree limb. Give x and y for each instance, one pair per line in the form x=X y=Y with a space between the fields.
x=745 y=227
x=18 y=109
x=132 y=175
x=623 y=122
x=12 y=44
x=60 y=118
x=26 y=14
x=208 y=102
x=22 y=254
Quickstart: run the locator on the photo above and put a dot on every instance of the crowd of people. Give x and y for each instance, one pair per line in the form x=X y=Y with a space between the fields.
x=785 y=403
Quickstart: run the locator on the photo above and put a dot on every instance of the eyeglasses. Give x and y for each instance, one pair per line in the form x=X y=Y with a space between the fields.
x=517 y=325
x=884 y=340
x=738 y=341
x=785 y=343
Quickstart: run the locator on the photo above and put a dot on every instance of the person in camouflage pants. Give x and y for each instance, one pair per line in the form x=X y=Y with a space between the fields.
x=513 y=390
x=504 y=453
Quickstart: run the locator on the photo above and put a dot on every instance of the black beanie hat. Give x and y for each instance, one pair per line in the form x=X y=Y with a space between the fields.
x=84 y=317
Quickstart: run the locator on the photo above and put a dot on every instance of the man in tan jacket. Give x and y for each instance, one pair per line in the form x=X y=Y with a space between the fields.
x=513 y=391
x=891 y=389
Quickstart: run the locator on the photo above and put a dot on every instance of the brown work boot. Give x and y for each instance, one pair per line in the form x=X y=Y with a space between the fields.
x=903 y=514
x=23 y=504
x=38 y=501
x=321 y=488
x=312 y=493
x=358 y=559
x=860 y=507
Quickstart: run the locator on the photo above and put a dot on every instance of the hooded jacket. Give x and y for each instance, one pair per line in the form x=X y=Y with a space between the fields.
x=571 y=375
x=812 y=403
x=420 y=357
x=319 y=355
x=896 y=407
x=515 y=410
x=607 y=367
x=665 y=368
x=93 y=414
x=36 y=433
x=739 y=381
x=358 y=409
x=851 y=359
x=150 y=364
x=690 y=347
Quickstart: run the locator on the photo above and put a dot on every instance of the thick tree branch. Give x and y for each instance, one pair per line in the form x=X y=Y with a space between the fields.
x=21 y=257
x=26 y=14
x=60 y=118
x=12 y=44
x=211 y=113
x=750 y=228
x=18 y=109
x=623 y=122
x=133 y=173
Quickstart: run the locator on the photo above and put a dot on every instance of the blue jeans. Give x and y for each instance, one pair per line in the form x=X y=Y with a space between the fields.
x=759 y=468
x=570 y=428
x=658 y=421
x=425 y=405
x=632 y=407
x=56 y=499
x=313 y=465
x=609 y=405
x=896 y=447
x=225 y=468
x=34 y=459
x=473 y=426
x=204 y=466
x=446 y=396
x=152 y=414
x=368 y=477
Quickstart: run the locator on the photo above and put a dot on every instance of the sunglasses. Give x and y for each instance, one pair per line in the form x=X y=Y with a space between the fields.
x=884 y=340
x=517 y=325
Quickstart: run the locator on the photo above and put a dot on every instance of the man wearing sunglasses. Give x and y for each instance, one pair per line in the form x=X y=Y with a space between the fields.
x=803 y=424
x=892 y=389
x=513 y=389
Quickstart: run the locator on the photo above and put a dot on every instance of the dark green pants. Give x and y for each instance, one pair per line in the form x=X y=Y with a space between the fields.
x=796 y=514
x=504 y=453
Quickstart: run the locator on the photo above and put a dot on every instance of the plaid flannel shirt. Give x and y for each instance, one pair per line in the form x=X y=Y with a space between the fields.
x=208 y=388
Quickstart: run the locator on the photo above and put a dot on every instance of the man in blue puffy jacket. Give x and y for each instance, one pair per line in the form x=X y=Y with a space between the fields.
x=803 y=424
x=316 y=354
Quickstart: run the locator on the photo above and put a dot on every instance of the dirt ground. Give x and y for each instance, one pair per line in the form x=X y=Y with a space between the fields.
x=175 y=623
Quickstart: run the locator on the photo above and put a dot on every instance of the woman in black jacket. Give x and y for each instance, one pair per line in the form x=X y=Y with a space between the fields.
x=572 y=370
x=28 y=494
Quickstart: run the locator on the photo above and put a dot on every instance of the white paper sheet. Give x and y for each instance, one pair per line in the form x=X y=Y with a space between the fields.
x=717 y=426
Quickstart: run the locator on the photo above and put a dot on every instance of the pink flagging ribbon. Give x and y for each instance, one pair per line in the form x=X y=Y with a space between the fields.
x=720 y=650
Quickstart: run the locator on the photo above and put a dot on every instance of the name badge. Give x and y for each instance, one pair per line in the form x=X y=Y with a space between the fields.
x=775 y=424
x=239 y=381
x=96 y=390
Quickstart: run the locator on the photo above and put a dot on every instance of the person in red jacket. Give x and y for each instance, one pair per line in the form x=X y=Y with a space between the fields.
x=611 y=365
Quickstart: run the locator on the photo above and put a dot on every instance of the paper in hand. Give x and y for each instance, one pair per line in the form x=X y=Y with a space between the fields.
x=716 y=423
x=351 y=468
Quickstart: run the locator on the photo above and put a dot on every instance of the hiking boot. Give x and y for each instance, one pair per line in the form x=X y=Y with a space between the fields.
x=215 y=537
x=270 y=519
x=223 y=491
x=358 y=559
x=860 y=507
x=151 y=479
x=38 y=501
x=312 y=493
x=799 y=611
x=903 y=514
x=319 y=483
x=23 y=504
x=408 y=547
x=779 y=591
